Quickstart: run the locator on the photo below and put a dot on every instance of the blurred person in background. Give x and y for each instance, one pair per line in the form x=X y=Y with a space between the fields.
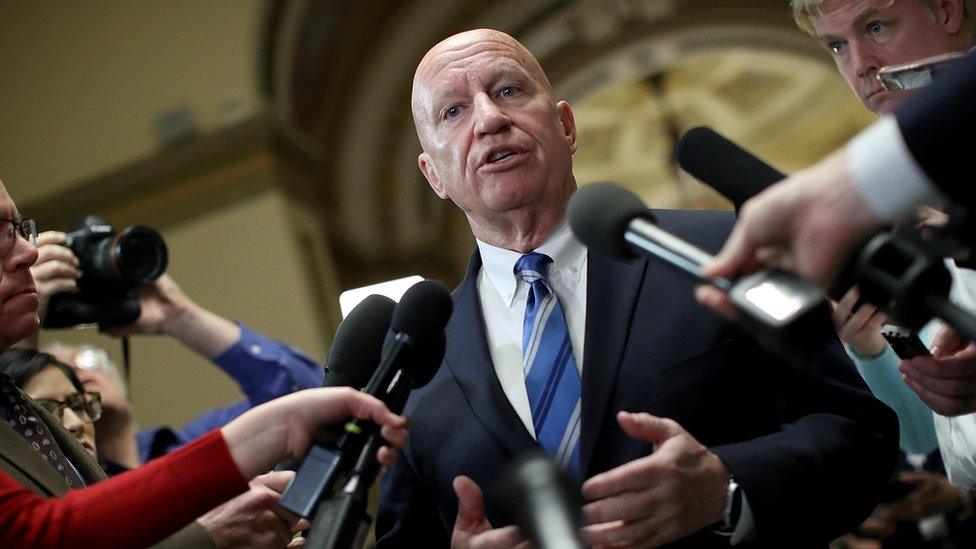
x=54 y=385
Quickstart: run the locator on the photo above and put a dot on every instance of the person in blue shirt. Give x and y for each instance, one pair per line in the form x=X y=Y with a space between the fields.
x=263 y=368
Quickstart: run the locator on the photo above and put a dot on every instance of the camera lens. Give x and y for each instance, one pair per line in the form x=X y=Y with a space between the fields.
x=140 y=255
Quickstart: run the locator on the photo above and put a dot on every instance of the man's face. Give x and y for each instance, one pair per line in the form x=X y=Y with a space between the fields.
x=494 y=139
x=865 y=35
x=18 y=295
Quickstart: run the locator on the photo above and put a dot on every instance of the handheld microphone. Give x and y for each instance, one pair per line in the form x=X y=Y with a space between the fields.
x=895 y=272
x=784 y=312
x=412 y=354
x=358 y=343
x=422 y=313
x=351 y=362
x=723 y=165
x=537 y=497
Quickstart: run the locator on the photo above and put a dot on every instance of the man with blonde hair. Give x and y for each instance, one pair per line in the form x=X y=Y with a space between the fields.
x=866 y=35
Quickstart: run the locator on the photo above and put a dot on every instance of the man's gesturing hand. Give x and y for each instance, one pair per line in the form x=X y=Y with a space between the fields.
x=471 y=528
x=675 y=491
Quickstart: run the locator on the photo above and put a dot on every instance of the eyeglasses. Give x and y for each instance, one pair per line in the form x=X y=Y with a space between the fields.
x=87 y=406
x=10 y=229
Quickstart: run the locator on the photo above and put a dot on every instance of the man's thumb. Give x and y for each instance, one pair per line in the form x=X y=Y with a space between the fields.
x=471 y=503
x=646 y=427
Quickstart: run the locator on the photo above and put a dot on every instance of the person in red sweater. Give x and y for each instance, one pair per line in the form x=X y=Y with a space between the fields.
x=144 y=506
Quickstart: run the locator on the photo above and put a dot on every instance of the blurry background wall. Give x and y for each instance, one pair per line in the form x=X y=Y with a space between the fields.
x=271 y=140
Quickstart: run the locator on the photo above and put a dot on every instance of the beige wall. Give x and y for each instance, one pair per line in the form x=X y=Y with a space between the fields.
x=82 y=81
x=240 y=262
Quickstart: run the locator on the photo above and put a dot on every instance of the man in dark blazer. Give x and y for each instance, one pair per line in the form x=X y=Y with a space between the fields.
x=729 y=443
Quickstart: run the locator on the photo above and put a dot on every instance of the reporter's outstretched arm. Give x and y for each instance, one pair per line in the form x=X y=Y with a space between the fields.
x=168 y=493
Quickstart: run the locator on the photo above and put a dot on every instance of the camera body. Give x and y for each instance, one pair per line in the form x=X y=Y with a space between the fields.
x=112 y=265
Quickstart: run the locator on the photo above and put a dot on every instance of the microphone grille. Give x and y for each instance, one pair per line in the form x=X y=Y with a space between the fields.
x=599 y=214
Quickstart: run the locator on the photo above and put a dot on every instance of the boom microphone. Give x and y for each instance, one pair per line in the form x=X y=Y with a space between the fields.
x=723 y=165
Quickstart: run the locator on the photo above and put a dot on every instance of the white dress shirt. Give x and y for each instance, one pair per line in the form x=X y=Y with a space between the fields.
x=503 y=296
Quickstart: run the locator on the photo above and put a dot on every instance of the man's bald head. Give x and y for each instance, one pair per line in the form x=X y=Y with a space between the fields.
x=460 y=46
x=494 y=139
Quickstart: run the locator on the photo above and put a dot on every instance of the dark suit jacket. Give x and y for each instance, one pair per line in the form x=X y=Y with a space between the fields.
x=27 y=467
x=937 y=124
x=810 y=446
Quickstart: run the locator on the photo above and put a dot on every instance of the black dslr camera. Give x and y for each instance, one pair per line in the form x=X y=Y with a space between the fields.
x=112 y=264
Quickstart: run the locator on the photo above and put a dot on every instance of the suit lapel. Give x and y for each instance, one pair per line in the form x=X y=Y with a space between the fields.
x=612 y=288
x=469 y=359
x=18 y=453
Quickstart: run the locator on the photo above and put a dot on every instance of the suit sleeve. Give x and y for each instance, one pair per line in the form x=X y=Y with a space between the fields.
x=821 y=473
x=407 y=515
x=937 y=124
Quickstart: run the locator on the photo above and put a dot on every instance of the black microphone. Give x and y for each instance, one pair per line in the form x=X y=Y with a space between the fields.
x=356 y=348
x=784 y=312
x=351 y=362
x=723 y=165
x=535 y=495
x=412 y=354
x=417 y=320
x=901 y=273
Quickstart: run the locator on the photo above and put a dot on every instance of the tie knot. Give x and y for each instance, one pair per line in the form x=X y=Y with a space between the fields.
x=533 y=266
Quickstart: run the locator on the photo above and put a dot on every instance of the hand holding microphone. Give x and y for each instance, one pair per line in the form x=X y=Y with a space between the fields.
x=784 y=312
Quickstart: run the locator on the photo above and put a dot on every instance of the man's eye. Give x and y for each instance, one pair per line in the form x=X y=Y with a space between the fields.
x=876 y=27
x=508 y=91
x=835 y=47
x=452 y=111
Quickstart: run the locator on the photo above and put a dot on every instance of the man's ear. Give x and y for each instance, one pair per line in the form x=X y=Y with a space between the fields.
x=427 y=168
x=950 y=14
x=568 y=123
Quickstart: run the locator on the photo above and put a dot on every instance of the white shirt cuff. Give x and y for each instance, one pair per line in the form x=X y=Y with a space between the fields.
x=745 y=529
x=889 y=179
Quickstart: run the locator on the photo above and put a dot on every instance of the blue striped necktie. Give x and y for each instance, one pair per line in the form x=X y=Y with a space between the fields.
x=551 y=378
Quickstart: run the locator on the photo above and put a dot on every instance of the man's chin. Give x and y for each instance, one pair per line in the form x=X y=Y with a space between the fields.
x=886 y=102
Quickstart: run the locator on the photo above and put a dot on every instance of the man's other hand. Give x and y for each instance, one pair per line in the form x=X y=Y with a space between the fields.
x=471 y=529
x=675 y=491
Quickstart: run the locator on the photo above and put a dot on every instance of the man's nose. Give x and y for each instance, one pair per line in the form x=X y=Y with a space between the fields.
x=863 y=61
x=489 y=118
x=22 y=255
x=72 y=422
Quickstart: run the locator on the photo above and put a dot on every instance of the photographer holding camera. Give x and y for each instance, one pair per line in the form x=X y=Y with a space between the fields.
x=264 y=369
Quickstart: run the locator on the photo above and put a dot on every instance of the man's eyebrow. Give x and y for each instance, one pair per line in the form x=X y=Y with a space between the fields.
x=862 y=17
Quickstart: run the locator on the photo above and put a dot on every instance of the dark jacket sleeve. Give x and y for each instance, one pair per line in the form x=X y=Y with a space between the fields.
x=821 y=474
x=937 y=124
x=407 y=515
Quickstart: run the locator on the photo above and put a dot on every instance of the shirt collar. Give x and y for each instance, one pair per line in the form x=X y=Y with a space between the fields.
x=568 y=257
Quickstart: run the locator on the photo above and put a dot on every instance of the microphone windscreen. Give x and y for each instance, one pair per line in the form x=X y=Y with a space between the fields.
x=358 y=343
x=724 y=166
x=599 y=214
x=423 y=311
x=534 y=494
